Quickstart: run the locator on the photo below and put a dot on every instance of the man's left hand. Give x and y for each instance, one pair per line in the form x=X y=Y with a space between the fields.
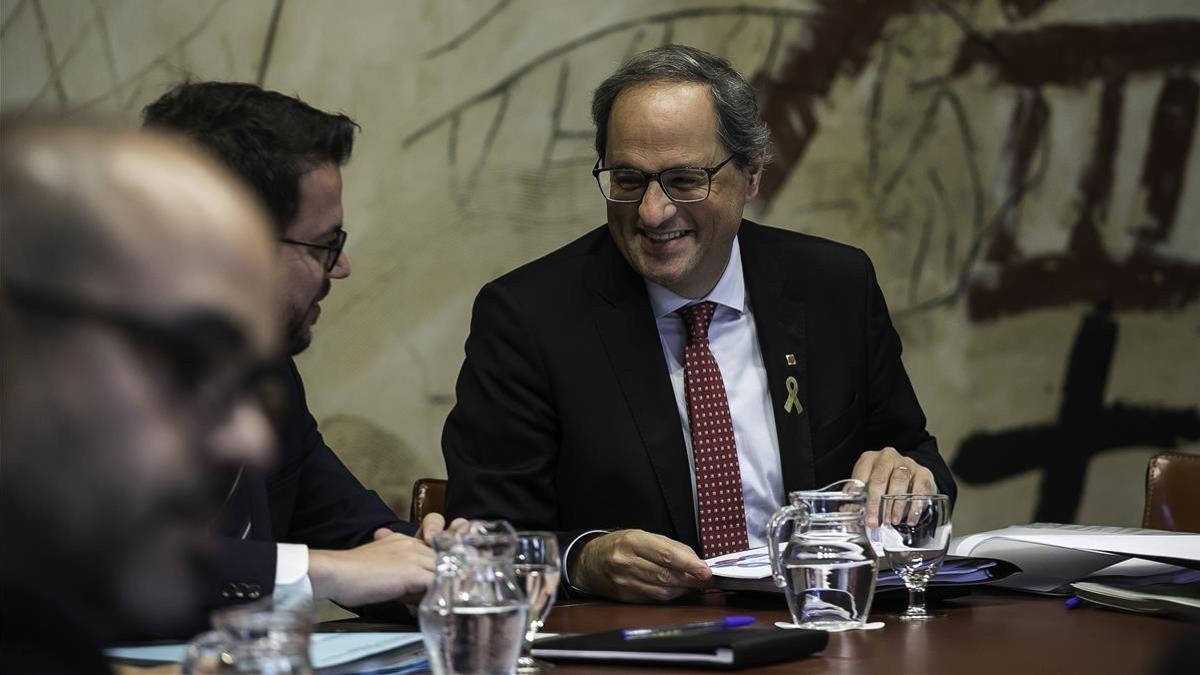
x=889 y=472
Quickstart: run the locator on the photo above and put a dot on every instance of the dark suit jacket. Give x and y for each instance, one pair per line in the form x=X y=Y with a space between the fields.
x=566 y=419
x=43 y=626
x=309 y=497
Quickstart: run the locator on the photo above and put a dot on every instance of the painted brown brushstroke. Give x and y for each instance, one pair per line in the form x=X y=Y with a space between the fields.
x=1095 y=186
x=1143 y=281
x=1166 y=163
x=1025 y=129
x=1074 y=55
x=842 y=36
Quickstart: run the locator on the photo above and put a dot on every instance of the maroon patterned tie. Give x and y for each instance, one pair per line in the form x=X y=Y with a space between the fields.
x=718 y=478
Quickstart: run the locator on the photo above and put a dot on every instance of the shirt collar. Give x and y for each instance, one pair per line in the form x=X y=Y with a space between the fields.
x=730 y=290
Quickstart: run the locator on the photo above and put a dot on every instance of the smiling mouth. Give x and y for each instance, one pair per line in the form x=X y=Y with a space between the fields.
x=665 y=236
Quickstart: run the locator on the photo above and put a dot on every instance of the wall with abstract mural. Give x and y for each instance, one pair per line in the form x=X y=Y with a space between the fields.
x=1024 y=174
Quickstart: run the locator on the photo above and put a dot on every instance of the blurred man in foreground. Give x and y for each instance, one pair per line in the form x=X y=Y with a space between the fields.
x=135 y=303
x=307 y=528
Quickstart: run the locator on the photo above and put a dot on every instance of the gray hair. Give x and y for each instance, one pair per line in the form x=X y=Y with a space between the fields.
x=739 y=126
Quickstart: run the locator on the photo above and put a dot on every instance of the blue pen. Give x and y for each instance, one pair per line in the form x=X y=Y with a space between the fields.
x=1073 y=602
x=690 y=628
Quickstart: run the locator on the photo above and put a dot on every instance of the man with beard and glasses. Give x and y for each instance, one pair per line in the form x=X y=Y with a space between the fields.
x=136 y=290
x=306 y=528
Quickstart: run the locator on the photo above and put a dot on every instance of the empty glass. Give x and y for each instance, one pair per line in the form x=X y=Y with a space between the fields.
x=536 y=565
x=914 y=531
x=253 y=638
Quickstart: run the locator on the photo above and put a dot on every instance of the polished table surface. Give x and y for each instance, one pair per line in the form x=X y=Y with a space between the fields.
x=992 y=632
x=986 y=632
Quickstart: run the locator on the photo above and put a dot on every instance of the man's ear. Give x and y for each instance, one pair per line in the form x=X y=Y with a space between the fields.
x=754 y=175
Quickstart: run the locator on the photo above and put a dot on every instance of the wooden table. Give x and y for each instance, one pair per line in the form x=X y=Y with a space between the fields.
x=994 y=632
x=987 y=632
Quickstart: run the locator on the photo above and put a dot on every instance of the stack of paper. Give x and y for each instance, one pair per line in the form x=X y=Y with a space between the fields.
x=1051 y=557
x=952 y=571
x=1176 y=600
x=751 y=571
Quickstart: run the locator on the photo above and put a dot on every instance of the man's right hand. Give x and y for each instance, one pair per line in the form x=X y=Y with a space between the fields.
x=638 y=566
x=393 y=567
x=432 y=524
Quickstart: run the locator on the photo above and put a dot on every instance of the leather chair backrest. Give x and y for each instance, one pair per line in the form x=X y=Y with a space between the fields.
x=428 y=496
x=1173 y=492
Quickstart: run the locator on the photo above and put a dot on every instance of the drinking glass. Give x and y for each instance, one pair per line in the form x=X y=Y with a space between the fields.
x=252 y=638
x=536 y=565
x=915 y=531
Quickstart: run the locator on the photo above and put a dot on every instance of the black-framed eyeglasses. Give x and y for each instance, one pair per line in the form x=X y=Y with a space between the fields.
x=202 y=350
x=681 y=184
x=332 y=251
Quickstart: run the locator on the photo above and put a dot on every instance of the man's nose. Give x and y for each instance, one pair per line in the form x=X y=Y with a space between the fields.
x=656 y=208
x=341 y=268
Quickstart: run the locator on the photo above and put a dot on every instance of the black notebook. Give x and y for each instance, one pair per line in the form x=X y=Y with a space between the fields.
x=739 y=648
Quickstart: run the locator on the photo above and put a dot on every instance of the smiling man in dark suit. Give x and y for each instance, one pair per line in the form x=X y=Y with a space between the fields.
x=653 y=390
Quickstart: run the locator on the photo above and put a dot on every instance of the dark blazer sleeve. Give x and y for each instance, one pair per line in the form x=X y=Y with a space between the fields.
x=246 y=571
x=314 y=499
x=894 y=417
x=309 y=497
x=501 y=441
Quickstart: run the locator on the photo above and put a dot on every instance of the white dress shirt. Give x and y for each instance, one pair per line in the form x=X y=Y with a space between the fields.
x=293 y=588
x=733 y=339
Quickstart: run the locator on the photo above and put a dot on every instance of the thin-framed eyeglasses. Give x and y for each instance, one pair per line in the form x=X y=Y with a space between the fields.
x=204 y=352
x=332 y=251
x=681 y=184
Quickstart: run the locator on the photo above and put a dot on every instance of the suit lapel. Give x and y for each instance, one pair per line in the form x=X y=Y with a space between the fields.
x=779 y=318
x=626 y=326
x=246 y=513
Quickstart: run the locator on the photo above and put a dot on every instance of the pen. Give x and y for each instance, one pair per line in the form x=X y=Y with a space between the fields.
x=690 y=628
x=1073 y=602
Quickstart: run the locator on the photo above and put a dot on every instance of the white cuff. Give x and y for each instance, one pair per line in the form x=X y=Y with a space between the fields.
x=292 y=585
x=566 y=575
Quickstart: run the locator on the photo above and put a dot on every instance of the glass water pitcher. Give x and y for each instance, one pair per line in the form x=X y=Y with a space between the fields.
x=826 y=565
x=473 y=616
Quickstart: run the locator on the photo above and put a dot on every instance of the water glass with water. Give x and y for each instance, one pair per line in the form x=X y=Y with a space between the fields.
x=915 y=531
x=536 y=564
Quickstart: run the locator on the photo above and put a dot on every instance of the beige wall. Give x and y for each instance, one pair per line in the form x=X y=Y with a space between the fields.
x=463 y=172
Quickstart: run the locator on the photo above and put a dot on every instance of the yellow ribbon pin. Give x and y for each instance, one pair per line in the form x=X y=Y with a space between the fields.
x=793 y=399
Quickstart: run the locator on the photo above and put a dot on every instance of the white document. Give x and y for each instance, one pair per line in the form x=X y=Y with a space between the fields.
x=1053 y=556
x=325 y=649
x=756 y=564
x=1177 y=601
x=1126 y=541
x=752 y=564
